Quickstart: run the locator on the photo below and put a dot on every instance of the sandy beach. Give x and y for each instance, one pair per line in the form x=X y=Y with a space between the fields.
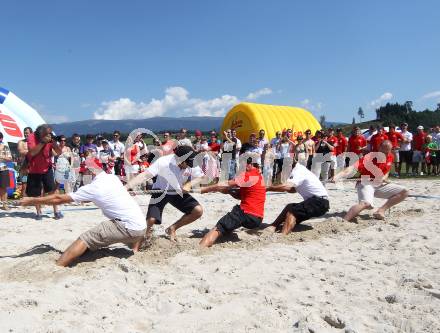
x=327 y=276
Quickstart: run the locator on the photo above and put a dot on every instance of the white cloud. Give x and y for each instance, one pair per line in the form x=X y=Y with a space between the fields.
x=434 y=94
x=54 y=118
x=176 y=102
x=383 y=98
x=314 y=107
x=257 y=94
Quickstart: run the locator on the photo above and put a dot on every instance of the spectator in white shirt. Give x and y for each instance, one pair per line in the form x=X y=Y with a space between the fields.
x=405 y=151
x=126 y=222
x=183 y=140
x=118 y=149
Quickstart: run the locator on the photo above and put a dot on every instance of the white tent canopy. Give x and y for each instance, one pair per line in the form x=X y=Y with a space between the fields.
x=15 y=115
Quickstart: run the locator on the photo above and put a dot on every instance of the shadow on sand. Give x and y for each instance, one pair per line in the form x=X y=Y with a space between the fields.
x=91 y=256
x=37 y=249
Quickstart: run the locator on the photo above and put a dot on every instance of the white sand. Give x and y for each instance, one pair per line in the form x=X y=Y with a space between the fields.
x=370 y=276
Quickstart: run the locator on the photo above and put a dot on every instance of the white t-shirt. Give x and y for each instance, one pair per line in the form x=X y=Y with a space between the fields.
x=169 y=175
x=107 y=192
x=273 y=144
x=284 y=149
x=306 y=183
x=117 y=147
x=184 y=142
x=406 y=146
x=261 y=143
x=436 y=137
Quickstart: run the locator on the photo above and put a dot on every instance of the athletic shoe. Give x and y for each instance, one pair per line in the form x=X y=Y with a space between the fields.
x=39 y=217
x=58 y=216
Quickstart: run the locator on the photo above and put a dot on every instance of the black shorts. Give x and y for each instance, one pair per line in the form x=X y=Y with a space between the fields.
x=236 y=219
x=4 y=178
x=36 y=182
x=185 y=204
x=311 y=207
x=406 y=156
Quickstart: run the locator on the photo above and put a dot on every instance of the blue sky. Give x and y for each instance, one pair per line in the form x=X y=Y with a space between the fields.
x=76 y=60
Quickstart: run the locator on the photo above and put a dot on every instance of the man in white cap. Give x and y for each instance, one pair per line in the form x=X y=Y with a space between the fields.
x=419 y=141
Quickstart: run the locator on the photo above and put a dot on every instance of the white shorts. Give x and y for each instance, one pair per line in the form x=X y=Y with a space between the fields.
x=396 y=155
x=333 y=162
x=341 y=161
x=367 y=192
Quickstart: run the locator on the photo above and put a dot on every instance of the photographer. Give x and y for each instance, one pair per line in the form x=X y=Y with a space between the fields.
x=322 y=160
x=41 y=145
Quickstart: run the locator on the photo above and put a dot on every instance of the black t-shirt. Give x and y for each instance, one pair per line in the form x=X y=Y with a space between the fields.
x=323 y=148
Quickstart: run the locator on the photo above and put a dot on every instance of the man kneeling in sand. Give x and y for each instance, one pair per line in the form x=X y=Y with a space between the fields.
x=315 y=196
x=374 y=169
x=249 y=213
x=126 y=222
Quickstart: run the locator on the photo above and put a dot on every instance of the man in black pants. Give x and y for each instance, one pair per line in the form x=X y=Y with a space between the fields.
x=175 y=175
x=315 y=197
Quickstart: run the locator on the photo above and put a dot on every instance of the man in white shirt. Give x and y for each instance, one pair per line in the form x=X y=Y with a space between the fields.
x=126 y=222
x=405 y=150
x=436 y=135
x=183 y=140
x=368 y=135
x=315 y=196
x=175 y=176
x=118 y=149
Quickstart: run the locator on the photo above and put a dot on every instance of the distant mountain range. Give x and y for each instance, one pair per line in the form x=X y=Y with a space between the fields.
x=127 y=125
x=154 y=124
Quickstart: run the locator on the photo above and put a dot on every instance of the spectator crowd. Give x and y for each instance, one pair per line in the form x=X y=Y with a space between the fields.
x=48 y=162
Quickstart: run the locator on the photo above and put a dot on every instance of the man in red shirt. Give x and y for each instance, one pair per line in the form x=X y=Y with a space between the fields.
x=374 y=169
x=40 y=146
x=377 y=139
x=340 y=148
x=418 y=142
x=249 y=214
x=396 y=138
x=357 y=143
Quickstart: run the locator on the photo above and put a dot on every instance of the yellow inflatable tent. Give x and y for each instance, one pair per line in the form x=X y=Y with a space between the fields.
x=249 y=118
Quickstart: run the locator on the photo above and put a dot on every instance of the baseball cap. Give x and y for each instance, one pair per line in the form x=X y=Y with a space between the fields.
x=185 y=154
x=198 y=133
x=420 y=127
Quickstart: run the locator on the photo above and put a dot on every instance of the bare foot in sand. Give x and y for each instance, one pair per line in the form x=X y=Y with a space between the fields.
x=171 y=232
x=379 y=215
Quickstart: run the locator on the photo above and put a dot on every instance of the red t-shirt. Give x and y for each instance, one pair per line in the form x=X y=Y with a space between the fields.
x=252 y=192
x=377 y=139
x=41 y=162
x=333 y=140
x=365 y=164
x=342 y=144
x=419 y=141
x=356 y=143
x=395 y=138
x=214 y=146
